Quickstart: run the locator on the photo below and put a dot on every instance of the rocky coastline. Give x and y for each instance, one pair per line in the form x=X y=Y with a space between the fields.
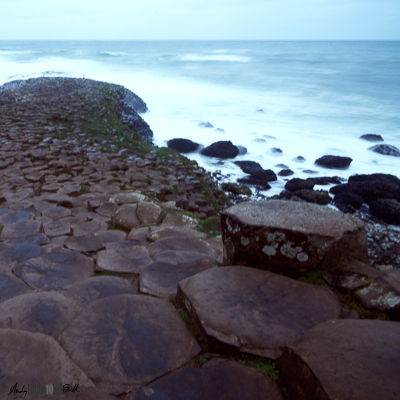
x=126 y=269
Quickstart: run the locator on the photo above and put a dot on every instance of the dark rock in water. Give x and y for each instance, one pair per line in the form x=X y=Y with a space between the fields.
x=371 y=137
x=387 y=209
x=222 y=149
x=205 y=125
x=275 y=150
x=310 y=171
x=348 y=202
x=259 y=183
x=326 y=180
x=265 y=175
x=242 y=150
x=285 y=172
x=219 y=130
x=281 y=166
x=260 y=110
x=249 y=167
x=337 y=162
x=386 y=150
x=296 y=184
x=390 y=179
x=236 y=188
x=183 y=145
x=314 y=196
x=260 y=140
x=300 y=159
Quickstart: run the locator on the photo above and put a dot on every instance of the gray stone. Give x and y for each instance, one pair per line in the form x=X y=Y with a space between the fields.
x=346 y=360
x=227 y=380
x=44 y=312
x=12 y=253
x=84 y=228
x=149 y=213
x=85 y=243
x=181 y=244
x=55 y=270
x=128 y=198
x=126 y=217
x=163 y=232
x=15 y=216
x=181 y=257
x=113 y=236
x=11 y=286
x=137 y=339
x=254 y=311
x=35 y=358
x=290 y=237
x=97 y=288
x=161 y=279
x=56 y=212
x=180 y=220
x=131 y=259
x=21 y=228
x=107 y=209
x=57 y=228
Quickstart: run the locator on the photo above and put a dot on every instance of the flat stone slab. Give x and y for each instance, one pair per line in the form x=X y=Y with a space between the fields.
x=84 y=228
x=130 y=259
x=126 y=217
x=290 y=237
x=20 y=228
x=107 y=209
x=57 y=228
x=35 y=358
x=148 y=213
x=164 y=232
x=97 y=288
x=113 y=236
x=55 y=270
x=14 y=253
x=137 y=339
x=86 y=243
x=11 y=286
x=255 y=311
x=344 y=359
x=180 y=220
x=15 y=216
x=44 y=312
x=181 y=244
x=228 y=380
x=56 y=212
x=128 y=198
x=161 y=279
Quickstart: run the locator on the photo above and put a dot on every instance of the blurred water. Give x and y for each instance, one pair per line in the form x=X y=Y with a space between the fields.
x=317 y=97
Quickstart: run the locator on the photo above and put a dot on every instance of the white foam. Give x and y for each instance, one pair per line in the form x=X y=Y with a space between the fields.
x=212 y=57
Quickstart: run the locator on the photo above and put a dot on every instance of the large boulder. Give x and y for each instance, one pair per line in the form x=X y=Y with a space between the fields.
x=386 y=150
x=387 y=209
x=372 y=137
x=222 y=149
x=249 y=167
x=290 y=237
x=336 y=162
x=344 y=359
x=183 y=145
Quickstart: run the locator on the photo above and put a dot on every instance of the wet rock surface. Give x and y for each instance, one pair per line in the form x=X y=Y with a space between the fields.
x=70 y=159
x=344 y=359
x=255 y=311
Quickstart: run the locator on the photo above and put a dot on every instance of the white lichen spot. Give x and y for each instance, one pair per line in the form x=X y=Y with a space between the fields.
x=276 y=236
x=244 y=241
x=302 y=257
x=228 y=225
x=288 y=251
x=269 y=250
x=388 y=300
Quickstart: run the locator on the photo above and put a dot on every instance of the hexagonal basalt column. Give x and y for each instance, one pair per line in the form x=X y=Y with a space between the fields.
x=290 y=237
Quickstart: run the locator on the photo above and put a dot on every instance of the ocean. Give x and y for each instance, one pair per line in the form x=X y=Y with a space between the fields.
x=306 y=98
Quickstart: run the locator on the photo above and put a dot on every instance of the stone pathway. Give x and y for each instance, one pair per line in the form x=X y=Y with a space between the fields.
x=107 y=282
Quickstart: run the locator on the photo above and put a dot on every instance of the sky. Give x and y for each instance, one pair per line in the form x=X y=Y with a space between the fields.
x=200 y=19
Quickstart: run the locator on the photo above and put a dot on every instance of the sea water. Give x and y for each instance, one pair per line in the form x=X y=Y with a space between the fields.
x=306 y=98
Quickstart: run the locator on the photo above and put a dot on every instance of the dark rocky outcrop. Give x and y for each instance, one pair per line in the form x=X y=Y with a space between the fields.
x=299 y=159
x=222 y=149
x=285 y=172
x=296 y=184
x=387 y=209
x=236 y=188
x=205 y=125
x=183 y=145
x=260 y=179
x=372 y=137
x=336 y=162
x=386 y=150
x=249 y=167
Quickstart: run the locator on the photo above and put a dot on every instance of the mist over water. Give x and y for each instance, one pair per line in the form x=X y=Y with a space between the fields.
x=317 y=98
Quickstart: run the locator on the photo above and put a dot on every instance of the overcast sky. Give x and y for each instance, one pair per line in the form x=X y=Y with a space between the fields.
x=200 y=19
